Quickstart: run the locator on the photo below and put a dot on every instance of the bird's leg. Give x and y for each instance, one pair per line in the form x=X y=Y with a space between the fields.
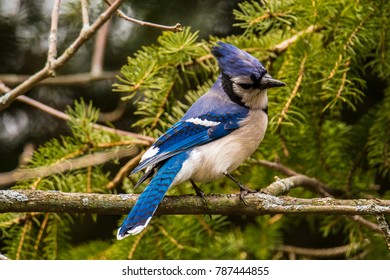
x=243 y=190
x=198 y=191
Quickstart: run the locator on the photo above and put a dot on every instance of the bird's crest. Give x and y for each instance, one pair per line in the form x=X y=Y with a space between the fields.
x=235 y=62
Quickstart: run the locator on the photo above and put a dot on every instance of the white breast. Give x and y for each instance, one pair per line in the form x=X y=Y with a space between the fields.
x=210 y=161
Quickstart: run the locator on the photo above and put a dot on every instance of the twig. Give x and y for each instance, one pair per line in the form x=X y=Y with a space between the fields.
x=372 y=226
x=343 y=79
x=114 y=114
x=174 y=28
x=384 y=226
x=52 y=52
x=84 y=12
x=136 y=243
x=3 y=87
x=278 y=167
x=281 y=47
x=9 y=97
x=99 y=49
x=41 y=231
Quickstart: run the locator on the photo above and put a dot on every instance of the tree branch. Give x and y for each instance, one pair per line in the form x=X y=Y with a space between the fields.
x=223 y=204
x=52 y=52
x=61 y=80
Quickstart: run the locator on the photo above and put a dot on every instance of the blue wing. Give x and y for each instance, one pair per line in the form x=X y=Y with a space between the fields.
x=189 y=133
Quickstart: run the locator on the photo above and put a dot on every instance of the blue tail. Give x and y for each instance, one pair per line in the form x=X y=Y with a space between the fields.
x=151 y=197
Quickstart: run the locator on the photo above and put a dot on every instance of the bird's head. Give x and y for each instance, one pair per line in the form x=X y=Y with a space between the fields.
x=244 y=78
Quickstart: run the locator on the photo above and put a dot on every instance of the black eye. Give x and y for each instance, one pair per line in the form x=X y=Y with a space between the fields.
x=245 y=86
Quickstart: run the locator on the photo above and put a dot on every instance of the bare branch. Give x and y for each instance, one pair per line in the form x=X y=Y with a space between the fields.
x=52 y=52
x=174 y=28
x=278 y=167
x=61 y=80
x=84 y=13
x=114 y=114
x=366 y=223
x=223 y=204
x=99 y=49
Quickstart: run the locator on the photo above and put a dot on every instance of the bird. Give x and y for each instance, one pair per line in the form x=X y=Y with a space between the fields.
x=217 y=133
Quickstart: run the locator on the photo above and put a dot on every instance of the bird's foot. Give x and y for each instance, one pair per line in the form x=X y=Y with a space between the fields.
x=244 y=191
x=198 y=191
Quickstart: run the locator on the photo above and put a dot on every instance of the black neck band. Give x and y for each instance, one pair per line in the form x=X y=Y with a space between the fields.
x=227 y=86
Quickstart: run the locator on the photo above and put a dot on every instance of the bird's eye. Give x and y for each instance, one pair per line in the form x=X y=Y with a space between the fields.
x=245 y=86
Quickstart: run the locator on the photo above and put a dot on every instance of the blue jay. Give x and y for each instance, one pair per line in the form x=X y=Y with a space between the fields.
x=218 y=132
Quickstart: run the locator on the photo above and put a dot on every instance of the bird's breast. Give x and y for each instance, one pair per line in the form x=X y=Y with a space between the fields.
x=208 y=162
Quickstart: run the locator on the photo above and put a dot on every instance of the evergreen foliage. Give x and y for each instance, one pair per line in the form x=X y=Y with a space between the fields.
x=328 y=71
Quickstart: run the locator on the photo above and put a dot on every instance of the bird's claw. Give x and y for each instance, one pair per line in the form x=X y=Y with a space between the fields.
x=199 y=192
x=244 y=191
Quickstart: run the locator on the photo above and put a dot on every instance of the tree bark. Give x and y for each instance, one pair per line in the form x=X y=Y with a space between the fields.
x=224 y=204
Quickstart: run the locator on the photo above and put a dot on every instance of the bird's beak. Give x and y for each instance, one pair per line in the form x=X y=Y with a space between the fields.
x=268 y=82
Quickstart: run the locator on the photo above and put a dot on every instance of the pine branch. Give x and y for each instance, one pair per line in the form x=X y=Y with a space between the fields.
x=223 y=204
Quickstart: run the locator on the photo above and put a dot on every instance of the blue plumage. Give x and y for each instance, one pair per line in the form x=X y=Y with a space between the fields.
x=236 y=62
x=186 y=134
x=218 y=132
x=151 y=197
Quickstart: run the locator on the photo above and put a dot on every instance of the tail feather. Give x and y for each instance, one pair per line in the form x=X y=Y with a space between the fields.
x=151 y=197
